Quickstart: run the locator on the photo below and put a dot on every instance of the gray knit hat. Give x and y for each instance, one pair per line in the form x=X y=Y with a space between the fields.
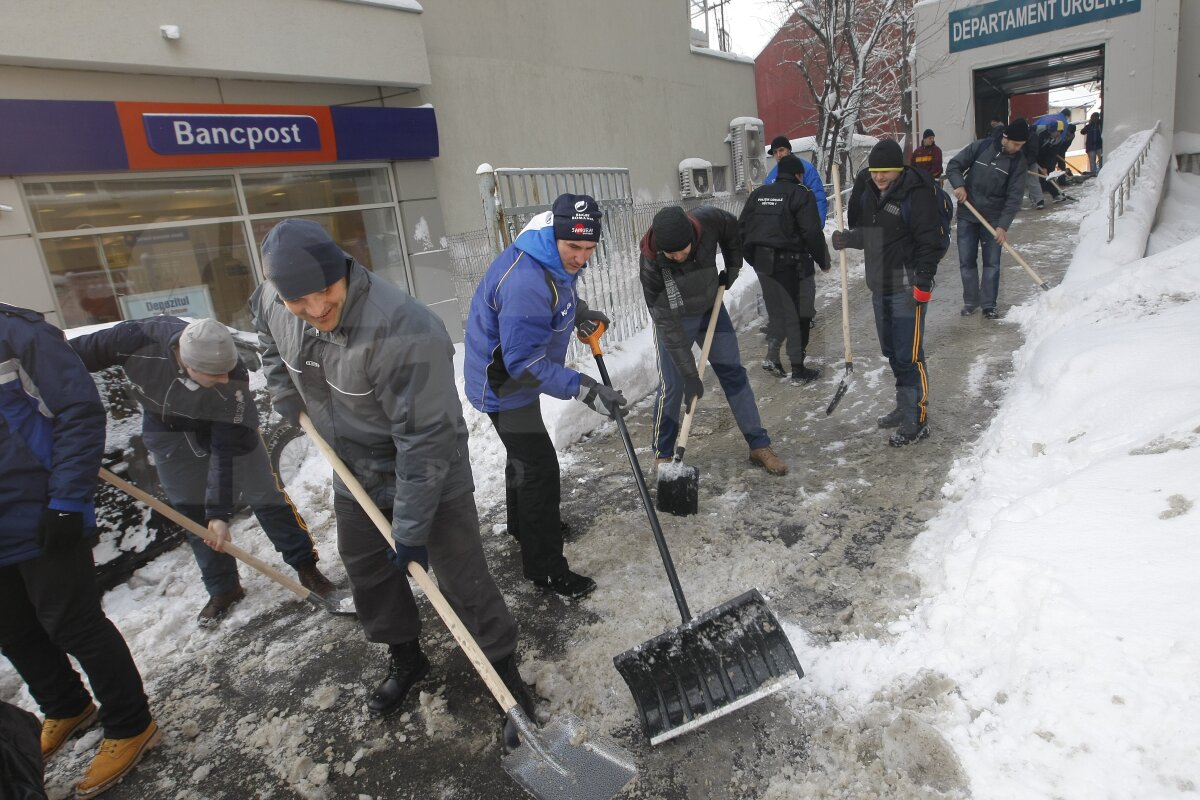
x=207 y=346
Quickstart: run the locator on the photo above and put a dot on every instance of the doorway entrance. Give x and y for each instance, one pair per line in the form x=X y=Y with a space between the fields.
x=1022 y=88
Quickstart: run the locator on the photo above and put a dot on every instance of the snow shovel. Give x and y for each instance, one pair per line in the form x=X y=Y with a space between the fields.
x=1041 y=284
x=845 y=384
x=710 y=665
x=562 y=761
x=339 y=603
x=679 y=484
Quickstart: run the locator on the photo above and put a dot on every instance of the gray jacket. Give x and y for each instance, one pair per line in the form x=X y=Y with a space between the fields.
x=380 y=389
x=995 y=182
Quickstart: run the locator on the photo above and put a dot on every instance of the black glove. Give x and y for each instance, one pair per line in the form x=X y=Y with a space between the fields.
x=600 y=398
x=289 y=407
x=586 y=319
x=723 y=278
x=693 y=389
x=404 y=553
x=59 y=531
x=839 y=240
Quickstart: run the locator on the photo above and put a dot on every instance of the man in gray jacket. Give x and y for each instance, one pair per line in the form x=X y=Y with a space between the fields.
x=990 y=175
x=373 y=369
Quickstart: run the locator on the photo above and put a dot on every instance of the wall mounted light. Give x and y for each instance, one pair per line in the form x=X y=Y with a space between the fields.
x=6 y=209
x=169 y=31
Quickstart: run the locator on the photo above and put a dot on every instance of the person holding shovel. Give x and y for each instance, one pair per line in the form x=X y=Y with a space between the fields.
x=51 y=442
x=990 y=175
x=893 y=216
x=679 y=277
x=522 y=317
x=372 y=368
x=200 y=423
x=783 y=239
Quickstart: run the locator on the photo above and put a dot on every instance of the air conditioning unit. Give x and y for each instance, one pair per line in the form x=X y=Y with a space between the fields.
x=747 y=152
x=695 y=178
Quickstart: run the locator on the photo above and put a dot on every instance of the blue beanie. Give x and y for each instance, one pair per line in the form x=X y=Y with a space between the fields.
x=301 y=258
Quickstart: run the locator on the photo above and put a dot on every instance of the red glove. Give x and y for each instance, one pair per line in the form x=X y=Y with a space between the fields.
x=922 y=295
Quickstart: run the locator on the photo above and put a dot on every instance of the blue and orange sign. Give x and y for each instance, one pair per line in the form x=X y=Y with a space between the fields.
x=44 y=136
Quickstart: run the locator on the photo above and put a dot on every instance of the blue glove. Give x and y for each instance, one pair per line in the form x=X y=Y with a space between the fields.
x=405 y=553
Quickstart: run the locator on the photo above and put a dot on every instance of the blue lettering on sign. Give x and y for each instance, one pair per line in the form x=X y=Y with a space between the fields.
x=181 y=134
x=1004 y=20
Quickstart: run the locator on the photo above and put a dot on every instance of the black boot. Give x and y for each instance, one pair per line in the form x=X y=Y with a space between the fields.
x=910 y=431
x=506 y=668
x=406 y=666
x=568 y=584
x=892 y=419
x=771 y=362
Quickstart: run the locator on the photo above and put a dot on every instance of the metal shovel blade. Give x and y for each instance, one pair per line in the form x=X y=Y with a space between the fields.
x=339 y=603
x=718 y=662
x=678 y=489
x=562 y=761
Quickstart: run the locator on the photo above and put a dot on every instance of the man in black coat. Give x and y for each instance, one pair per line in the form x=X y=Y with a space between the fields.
x=893 y=216
x=782 y=237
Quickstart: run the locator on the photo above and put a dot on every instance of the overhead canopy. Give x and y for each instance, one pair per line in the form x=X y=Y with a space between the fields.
x=1045 y=73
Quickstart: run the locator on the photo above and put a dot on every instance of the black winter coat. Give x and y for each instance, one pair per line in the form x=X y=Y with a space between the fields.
x=995 y=181
x=898 y=252
x=695 y=279
x=783 y=216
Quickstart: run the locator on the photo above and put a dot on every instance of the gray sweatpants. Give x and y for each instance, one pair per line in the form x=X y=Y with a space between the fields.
x=382 y=594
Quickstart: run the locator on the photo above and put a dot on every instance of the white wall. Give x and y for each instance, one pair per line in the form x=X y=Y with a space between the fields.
x=1139 y=72
x=1187 y=87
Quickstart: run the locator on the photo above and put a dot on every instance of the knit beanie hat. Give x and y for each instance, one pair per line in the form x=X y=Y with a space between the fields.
x=672 y=229
x=886 y=156
x=928 y=132
x=1017 y=130
x=780 y=141
x=791 y=165
x=577 y=216
x=301 y=258
x=207 y=346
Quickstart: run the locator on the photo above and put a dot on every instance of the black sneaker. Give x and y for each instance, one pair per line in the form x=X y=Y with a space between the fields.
x=891 y=419
x=568 y=584
x=909 y=433
x=773 y=367
x=804 y=376
x=967 y=311
x=990 y=313
x=1040 y=204
x=406 y=666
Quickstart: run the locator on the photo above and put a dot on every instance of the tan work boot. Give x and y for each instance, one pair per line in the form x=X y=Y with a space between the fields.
x=312 y=579
x=55 y=732
x=218 y=605
x=765 y=457
x=115 y=760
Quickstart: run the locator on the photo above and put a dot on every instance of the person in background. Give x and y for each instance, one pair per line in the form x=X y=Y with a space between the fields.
x=52 y=428
x=373 y=368
x=782 y=239
x=1093 y=133
x=781 y=147
x=893 y=216
x=522 y=316
x=200 y=423
x=679 y=277
x=990 y=176
x=928 y=157
x=996 y=129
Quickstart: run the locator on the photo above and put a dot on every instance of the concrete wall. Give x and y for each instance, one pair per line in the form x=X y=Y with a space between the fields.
x=1139 y=72
x=262 y=39
x=576 y=83
x=1187 y=86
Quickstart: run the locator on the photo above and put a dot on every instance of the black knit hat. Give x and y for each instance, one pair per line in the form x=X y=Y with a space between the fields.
x=791 y=165
x=780 y=141
x=928 y=132
x=1017 y=130
x=886 y=156
x=672 y=229
x=577 y=216
x=301 y=258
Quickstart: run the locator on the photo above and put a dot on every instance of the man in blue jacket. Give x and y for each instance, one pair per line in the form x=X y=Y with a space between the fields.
x=781 y=146
x=200 y=423
x=522 y=316
x=51 y=441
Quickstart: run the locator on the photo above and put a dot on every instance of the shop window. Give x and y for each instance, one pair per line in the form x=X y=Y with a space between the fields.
x=285 y=192
x=71 y=205
x=370 y=236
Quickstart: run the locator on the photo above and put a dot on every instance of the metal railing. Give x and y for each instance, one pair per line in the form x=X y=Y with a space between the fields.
x=1124 y=187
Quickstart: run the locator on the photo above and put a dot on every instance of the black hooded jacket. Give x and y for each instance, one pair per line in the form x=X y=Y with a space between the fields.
x=695 y=279
x=783 y=216
x=902 y=247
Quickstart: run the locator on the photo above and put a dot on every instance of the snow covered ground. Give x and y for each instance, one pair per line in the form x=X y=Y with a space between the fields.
x=1060 y=584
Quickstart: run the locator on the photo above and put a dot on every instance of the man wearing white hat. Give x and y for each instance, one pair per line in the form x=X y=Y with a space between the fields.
x=200 y=423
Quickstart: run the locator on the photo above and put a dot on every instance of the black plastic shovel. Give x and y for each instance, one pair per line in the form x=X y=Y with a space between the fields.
x=710 y=665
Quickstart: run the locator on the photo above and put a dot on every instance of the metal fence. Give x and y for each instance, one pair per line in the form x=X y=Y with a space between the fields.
x=1124 y=187
x=610 y=283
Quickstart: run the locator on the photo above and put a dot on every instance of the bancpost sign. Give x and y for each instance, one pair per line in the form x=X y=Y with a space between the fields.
x=1004 y=20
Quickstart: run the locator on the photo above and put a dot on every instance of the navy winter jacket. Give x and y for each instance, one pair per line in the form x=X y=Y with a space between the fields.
x=52 y=427
x=222 y=421
x=521 y=320
x=812 y=179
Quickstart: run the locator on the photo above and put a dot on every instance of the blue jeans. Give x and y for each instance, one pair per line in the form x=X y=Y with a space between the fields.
x=726 y=362
x=183 y=472
x=978 y=291
x=900 y=323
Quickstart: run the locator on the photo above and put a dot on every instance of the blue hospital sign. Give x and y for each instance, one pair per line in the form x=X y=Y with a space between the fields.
x=1004 y=20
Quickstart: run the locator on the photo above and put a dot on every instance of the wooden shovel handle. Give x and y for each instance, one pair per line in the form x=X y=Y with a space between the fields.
x=686 y=428
x=837 y=210
x=1036 y=278
x=461 y=635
